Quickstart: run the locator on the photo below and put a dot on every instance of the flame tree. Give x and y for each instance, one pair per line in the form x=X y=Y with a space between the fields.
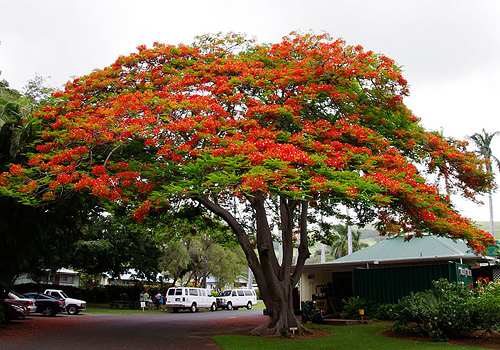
x=266 y=137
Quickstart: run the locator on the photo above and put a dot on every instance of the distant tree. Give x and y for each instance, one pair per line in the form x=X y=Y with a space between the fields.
x=340 y=241
x=483 y=143
x=175 y=260
x=34 y=239
x=226 y=264
x=336 y=237
x=37 y=91
x=7 y=93
x=111 y=242
x=196 y=246
x=195 y=258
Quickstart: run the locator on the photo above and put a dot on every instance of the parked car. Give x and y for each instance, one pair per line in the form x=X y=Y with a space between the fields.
x=189 y=298
x=45 y=304
x=18 y=298
x=14 y=310
x=236 y=298
x=71 y=305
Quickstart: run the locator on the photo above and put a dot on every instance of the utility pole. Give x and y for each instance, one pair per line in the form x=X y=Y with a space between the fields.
x=349 y=233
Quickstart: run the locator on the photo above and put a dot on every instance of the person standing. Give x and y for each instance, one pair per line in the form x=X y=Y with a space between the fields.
x=158 y=297
x=162 y=300
x=142 y=301
x=147 y=300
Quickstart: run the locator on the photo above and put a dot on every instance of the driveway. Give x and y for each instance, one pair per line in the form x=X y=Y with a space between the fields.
x=148 y=331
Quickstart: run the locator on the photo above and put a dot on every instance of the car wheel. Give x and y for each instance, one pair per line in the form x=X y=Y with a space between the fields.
x=193 y=308
x=72 y=310
x=48 y=311
x=213 y=307
x=229 y=306
x=249 y=305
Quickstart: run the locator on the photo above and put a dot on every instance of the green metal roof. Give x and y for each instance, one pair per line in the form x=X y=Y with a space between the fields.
x=417 y=247
x=493 y=250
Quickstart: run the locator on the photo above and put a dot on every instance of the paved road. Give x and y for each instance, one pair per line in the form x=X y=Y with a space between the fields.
x=148 y=331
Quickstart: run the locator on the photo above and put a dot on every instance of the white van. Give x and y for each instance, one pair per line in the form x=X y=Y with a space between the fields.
x=189 y=298
x=235 y=298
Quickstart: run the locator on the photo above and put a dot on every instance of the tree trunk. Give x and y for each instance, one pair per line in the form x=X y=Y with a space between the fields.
x=282 y=320
x=275 y=280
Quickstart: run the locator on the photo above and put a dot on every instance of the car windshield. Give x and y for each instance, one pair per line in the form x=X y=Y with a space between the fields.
x=63 y=294
x=226 y=293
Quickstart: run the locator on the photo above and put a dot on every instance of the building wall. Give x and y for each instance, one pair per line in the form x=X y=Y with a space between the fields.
x=388 y=285
x=309 y=282
x=57 y=279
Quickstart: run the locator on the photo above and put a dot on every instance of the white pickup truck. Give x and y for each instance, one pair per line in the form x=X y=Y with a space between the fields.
x=72 y=306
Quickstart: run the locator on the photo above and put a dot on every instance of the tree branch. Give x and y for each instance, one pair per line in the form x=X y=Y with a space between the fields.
x=239 y=231
x=286 y=213
x=303 y=247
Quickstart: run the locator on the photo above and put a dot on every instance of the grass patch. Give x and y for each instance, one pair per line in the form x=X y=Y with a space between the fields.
x=104 y=309
x=342 y=338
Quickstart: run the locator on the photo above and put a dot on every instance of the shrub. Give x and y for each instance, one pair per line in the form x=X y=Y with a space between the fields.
x=384 y=312
x=351 y=306
x=449 y=309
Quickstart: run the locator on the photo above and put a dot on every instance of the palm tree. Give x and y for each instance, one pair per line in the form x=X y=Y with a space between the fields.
x=18 y=128
x=483 y=143
x=340 y=240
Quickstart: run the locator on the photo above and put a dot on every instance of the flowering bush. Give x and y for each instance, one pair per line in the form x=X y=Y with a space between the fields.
x=450 y=309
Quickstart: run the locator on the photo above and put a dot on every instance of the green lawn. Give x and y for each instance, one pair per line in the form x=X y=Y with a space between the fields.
x=342 y=338
x=105 y=309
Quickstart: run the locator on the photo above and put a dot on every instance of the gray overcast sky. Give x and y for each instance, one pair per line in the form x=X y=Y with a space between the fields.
x=449 y=49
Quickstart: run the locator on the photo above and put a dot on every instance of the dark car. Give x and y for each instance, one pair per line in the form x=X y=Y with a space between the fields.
x=46 y=305
x=14 y=310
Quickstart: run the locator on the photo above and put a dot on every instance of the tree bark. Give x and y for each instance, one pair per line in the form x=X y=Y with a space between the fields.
x=275 y=281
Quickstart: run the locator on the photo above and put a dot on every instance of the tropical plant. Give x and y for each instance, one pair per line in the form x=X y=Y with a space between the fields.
x=18 y=129
x=351 y=307
x=483 y=143
x=269 y=138
x=449 y=310
x=338 y=240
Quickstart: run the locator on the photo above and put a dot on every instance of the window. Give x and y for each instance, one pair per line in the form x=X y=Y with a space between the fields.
x=171 y=291
x=203 y=292
x=193 y=291
x=178 y=291
x=248 y=293
x=67 y=279
x=241 y=293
